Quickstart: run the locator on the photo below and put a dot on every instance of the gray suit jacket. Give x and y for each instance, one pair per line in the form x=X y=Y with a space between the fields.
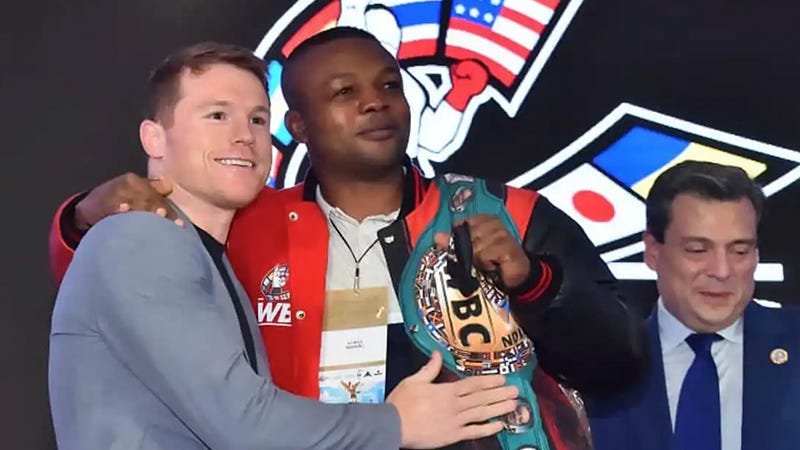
x=146 y=353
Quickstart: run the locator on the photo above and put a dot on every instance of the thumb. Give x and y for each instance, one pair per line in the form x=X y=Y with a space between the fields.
x=442 y=241
x=430 y=370
x=161 y=185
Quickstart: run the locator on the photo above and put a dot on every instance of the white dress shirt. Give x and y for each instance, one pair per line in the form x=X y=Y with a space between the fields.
x=728 y=354
x=373 y=269
x=355 y=355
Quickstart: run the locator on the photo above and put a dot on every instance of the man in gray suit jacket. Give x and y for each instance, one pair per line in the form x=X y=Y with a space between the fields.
x=152 y=343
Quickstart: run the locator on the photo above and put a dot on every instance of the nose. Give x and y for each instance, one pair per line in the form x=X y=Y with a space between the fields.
x=242 y=132
x=373 y=100
x=719 y=265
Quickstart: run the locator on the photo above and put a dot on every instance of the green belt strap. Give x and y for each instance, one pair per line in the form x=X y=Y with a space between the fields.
x=427 y=316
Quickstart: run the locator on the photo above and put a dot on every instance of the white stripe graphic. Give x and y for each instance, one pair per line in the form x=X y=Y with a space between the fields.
x=532 y=9
x=401 y=2
x=516 y=32
x=489 y=49
x=420 y=32
x=640 y=271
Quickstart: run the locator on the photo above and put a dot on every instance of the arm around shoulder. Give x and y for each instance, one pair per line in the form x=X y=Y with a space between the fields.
x=159 y=317
x=64 y=237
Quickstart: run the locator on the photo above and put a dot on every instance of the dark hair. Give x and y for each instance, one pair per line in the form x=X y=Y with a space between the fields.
x=704 y=179
x=290 y=92
x=163 y=86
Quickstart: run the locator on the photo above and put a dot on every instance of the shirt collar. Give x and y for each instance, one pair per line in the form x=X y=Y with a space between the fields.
x=333 y=211
x=673 y=332
x=414 y=187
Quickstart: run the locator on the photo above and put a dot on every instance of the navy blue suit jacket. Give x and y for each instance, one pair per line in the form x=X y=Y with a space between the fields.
x=638 y=419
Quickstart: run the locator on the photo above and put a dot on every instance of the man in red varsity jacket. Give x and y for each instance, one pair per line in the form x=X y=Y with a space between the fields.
x=321 y=261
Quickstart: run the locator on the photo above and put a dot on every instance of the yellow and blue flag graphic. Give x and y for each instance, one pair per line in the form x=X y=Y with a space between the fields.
x=639 y=157
x=602 y=180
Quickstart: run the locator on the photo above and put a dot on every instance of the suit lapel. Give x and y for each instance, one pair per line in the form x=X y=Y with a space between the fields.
x=261 y=361
x=247 y=307
x=650 y=422
x=765 y=382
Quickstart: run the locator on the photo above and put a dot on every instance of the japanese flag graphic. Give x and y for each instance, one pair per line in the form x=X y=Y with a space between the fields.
x=605 y=210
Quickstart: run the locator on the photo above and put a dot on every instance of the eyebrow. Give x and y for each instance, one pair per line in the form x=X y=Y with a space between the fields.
x=224 y=103
x=391 y=68
x=341 y=74
x=691 y=239
x=387 y=69
x=215 y=103
x=261 y=108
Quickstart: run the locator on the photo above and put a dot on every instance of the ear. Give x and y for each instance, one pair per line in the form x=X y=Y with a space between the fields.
x=296 y=125
x=652 y=248
x=153 y=139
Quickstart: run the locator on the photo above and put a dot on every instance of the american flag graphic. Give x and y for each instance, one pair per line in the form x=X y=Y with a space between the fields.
x=419 y=26
x=499 y=33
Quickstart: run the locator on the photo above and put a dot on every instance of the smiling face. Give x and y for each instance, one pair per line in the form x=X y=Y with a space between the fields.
x=706 y=263
x=216 y=148
x=351 y=109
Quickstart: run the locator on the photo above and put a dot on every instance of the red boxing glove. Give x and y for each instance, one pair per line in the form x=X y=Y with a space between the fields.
x=469 y=78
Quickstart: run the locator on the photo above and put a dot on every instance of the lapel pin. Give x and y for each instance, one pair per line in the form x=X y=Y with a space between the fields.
x=779 y=356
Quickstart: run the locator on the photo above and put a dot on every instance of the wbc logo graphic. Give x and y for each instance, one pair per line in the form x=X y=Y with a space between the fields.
x=457 y=55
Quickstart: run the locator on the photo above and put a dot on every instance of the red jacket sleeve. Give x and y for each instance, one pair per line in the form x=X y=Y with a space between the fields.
x=64 y=238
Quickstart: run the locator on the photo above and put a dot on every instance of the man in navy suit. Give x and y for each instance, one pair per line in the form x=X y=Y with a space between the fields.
x=721 y=376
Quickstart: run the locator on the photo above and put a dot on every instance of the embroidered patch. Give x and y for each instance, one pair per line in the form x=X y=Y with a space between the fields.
x=521 y=419
x=275 y=309
x=453 y=178
x=275 y=283
x=462 y=196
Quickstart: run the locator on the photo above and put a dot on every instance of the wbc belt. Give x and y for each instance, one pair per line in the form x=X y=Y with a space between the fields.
x=474 y=330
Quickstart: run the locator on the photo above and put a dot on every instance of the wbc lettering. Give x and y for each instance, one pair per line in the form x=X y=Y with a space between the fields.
x=464 y=309
x=274 y=313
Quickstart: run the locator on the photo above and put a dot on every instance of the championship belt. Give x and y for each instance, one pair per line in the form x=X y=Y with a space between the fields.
x=466 y=316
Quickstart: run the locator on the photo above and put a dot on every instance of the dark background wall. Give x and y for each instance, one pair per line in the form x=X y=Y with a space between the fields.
x=72 y=77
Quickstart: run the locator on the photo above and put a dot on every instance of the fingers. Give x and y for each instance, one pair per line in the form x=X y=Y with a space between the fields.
x=127 y=192
x=150 y=195
x=480 y=220
x=486 y=412
x=169 y=213
x=478 y=431
x=481 y=227
x=485 y=228
x=161 y=185
x=493 y=251
x=442 y=241
x=164 y=211
x=430 y=370
x=493 y=245
x=487 y=397
x=474 y=384
x=156 y=205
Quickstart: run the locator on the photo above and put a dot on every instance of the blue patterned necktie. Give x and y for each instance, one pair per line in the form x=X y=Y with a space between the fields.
x=697 y=421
